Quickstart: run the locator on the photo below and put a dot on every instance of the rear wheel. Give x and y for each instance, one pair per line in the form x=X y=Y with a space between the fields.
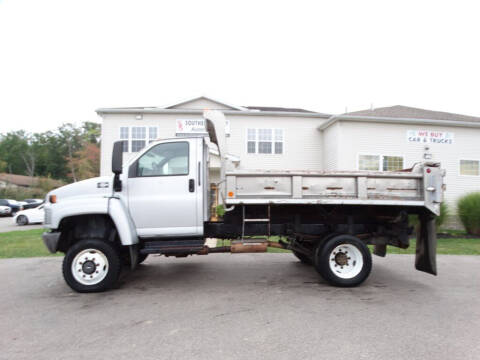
x=92 y=265
x=343 y=260
x=22 y=220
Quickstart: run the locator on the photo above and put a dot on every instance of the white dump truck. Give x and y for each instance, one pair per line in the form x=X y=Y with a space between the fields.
x=159 y=203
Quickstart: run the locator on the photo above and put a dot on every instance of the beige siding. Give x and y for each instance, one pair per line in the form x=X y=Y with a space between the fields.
x=391 y=139
x=302 y=140
x=331 y=146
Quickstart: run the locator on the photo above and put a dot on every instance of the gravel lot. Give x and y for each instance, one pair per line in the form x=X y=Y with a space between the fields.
x=7 y=224
x=242 y=307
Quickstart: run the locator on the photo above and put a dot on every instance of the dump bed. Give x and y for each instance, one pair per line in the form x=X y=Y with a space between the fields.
x=421 y=186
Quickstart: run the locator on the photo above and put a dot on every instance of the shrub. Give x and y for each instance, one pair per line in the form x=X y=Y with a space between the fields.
x=444 y=212
x=220 y=210
x=439 y=220
x=469 y=212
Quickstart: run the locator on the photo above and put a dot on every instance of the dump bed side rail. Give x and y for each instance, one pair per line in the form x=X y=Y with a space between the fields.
x=421 y=186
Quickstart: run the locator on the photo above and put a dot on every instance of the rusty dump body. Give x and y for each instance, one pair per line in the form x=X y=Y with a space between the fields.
x=307 y=207
x=420 y=186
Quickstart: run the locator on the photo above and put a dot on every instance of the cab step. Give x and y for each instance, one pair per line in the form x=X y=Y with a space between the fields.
x=190 y=246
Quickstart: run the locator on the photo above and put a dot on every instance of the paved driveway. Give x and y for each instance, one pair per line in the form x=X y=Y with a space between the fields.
x=249 y=306
x=7 y=224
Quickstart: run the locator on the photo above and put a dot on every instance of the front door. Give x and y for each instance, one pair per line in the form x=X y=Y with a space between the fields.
x=162 y=190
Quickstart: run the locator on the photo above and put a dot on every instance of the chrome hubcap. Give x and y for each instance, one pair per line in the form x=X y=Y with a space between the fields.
x=90 y=267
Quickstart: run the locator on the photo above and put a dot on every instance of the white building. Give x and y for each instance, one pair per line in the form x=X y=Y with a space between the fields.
x=381 y=139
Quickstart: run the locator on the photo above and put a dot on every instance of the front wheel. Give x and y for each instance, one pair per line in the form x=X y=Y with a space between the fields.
x=343 y=260
x=22 y=220
x=92 y=265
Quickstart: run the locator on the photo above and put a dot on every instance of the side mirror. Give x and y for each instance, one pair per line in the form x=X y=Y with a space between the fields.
x=117 y=157
x=117 y=164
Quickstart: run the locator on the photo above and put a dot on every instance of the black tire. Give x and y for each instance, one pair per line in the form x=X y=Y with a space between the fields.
x=112 y=255
x=358 y=271
x=303 y=258
x=22 y=220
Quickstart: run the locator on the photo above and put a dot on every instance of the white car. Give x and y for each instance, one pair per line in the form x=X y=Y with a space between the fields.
x=5 y=210
x=30 y=216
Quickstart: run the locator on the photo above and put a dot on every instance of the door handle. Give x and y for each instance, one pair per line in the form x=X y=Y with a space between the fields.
x=191 y=185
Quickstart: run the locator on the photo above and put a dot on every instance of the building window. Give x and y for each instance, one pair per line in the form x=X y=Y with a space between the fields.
x=392 y=163
x=139 y=134
x=373 y=162
x=124 y=136
x=152 y=134
x=135 y=137
x=369 y=162
x=264 y=141
x=251 y=141
x=278 y=141
x=470 y=167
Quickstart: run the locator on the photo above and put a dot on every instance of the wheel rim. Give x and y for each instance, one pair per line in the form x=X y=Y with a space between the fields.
x=90 y=267
x=346 y=261
x=21 y=220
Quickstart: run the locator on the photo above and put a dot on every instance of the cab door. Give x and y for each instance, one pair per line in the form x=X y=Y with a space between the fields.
x=163 y=190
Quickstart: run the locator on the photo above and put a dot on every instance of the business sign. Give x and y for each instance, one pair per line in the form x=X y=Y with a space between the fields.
x=190 y=126
x=195 y=126
x=429 y=137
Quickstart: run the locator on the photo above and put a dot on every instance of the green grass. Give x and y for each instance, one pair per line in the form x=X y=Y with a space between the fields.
x=453 y=233
x=28 y=243
x=445 y=247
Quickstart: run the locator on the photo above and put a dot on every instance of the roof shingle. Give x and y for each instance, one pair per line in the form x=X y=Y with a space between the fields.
x=400 y=111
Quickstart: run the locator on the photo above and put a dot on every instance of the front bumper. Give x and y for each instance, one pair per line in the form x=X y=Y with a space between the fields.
x=50 y=239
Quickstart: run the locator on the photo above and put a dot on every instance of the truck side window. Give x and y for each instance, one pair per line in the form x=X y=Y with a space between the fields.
x=164 y=159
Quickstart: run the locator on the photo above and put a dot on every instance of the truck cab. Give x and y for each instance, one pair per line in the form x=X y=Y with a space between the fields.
x=165 y=189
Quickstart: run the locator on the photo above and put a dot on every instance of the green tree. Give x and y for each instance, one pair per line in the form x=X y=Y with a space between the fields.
x=58 y=154
x=91 y=132
x=12 y=146
x=71 y=137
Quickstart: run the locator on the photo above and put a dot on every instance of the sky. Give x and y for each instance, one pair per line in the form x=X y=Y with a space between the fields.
x=62 y=59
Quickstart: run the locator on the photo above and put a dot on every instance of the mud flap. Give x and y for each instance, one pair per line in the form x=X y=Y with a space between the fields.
x=133 y=249
x=426 y=252
x=380 y=250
